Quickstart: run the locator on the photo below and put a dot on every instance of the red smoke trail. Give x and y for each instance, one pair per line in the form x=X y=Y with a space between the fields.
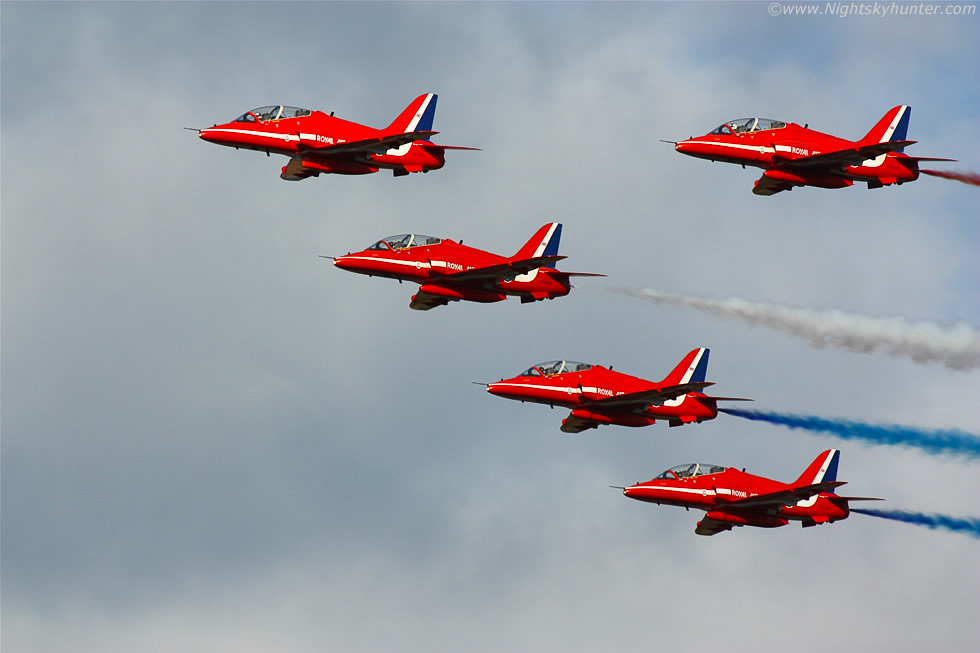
x=971 y=178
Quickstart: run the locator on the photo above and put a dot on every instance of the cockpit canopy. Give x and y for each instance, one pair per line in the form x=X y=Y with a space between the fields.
x=551 y=368
x=690 y=470
x=745 y=125
x=276 y=112
x=404 y=241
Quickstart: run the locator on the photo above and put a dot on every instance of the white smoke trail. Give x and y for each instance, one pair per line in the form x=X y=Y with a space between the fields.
x=956 y=347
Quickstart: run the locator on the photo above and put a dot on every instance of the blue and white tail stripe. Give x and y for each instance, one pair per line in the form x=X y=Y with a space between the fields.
x=825 y=473
x=551 y=242
x=898 y=129
x=420 y=121
x=893 y=126
x=828 y=470
x=547 y=246
x=425 y=116
x=822 y=470
x=698 y=370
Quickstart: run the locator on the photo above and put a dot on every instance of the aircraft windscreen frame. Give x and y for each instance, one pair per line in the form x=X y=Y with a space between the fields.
x=746 y=125
x=690 y=470
x=273 y=112
x=405 y=241
x=551 y=368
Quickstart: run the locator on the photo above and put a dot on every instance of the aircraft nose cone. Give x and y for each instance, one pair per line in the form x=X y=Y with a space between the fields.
x=208 y=135
x=344 y=263
x=694 y=147
x=500 y=389
x=359 y=263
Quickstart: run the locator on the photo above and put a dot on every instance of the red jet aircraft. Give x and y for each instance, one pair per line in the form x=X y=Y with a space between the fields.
x=449 y=271
x=317 y=143
x=733 y=498
x=598 y=396
x=796 y=156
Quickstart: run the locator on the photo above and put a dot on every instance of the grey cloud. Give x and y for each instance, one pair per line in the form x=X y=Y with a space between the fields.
x=212 y=437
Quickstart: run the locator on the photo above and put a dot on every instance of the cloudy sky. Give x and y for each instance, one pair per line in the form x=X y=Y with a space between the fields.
x=214 y=440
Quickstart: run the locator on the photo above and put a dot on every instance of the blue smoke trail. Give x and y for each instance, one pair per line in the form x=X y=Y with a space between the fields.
x=969 y=526
x=952 y=442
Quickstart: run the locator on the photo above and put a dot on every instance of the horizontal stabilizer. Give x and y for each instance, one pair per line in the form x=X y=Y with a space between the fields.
x=579 y=274
x=433 y=146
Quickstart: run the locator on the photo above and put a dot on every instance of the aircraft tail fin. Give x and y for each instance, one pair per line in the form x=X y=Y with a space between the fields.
x=821 y=470
x=543 y=243
x=692 y=369
x=894 y=126
x=417 y=116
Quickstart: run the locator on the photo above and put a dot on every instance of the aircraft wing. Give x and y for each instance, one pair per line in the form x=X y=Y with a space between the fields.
x=378 y=145
x=709 y=526
x=296 y=171
x=573 y=424
x=769 y=186
x=502 y=272
x=783 y=497
x=423 y=301
x=640 y=400
x=851 y=156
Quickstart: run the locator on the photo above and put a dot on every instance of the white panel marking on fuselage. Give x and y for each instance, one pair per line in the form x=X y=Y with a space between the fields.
x=686 y=490
x=762 y=149
x=411 y=264
x=282 y=137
